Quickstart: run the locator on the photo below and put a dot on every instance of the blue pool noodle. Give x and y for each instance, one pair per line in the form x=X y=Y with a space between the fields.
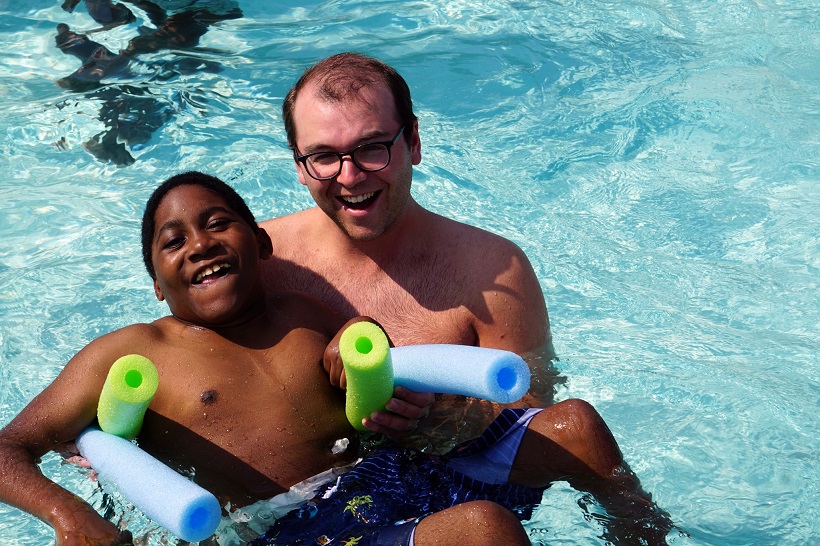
x=480 y=372
x=168 y=498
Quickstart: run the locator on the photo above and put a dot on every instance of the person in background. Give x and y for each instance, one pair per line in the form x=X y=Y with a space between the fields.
x=131 y=109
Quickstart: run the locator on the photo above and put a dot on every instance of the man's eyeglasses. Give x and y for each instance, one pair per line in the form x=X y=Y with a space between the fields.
x=370 y=157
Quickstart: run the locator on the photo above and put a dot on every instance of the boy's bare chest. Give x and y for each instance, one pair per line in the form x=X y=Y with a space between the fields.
x=228 y=418
x=218 y=389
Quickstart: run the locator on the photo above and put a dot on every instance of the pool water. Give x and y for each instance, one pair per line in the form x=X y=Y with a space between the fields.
x=658 y=162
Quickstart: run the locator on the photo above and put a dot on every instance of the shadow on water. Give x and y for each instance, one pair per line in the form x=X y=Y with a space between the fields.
x=131 y=112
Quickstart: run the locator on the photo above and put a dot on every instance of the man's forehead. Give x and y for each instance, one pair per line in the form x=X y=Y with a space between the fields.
x=375 y=95
x=371 y=110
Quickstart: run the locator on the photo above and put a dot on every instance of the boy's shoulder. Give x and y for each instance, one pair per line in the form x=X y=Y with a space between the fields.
x=137 y=337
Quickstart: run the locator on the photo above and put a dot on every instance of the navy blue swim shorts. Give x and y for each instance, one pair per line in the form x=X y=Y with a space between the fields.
x=381 y=500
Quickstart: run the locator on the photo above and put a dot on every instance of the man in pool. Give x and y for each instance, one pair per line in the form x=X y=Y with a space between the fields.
x=245 y=399
x=369 y=248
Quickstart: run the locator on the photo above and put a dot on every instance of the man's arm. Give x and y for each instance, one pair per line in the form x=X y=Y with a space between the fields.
x=57 y=415
x=520 y=323
x=518 y=313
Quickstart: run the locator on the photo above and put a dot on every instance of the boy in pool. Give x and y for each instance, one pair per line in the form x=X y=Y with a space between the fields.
x=245 y=399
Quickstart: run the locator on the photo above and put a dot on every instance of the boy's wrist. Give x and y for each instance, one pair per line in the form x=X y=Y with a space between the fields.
x=70 y=513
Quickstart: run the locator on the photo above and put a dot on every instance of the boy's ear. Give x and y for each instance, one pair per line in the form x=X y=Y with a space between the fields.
x=265 y=244
x=158 y=291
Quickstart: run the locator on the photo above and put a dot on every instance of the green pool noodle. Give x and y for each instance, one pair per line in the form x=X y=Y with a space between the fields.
x=365 y=354
x=131 y=384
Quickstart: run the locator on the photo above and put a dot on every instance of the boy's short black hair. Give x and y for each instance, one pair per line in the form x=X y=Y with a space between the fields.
x=192 y=178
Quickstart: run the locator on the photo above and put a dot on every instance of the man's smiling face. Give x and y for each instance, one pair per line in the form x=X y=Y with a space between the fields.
x=363 y=204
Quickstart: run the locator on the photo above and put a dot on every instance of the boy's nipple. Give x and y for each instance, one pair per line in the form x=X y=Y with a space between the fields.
x=208 y=397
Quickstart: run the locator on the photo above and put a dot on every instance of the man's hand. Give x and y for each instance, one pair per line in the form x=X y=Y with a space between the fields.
x=404 y=411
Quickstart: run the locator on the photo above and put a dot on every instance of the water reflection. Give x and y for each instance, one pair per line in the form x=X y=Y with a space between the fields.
x=131 y=112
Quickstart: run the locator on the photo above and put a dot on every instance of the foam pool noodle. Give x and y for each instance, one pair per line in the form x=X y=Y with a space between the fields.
x=365 y=354
x=373 y=368
x=480 y=372
x=129 y=387
x=169 y=499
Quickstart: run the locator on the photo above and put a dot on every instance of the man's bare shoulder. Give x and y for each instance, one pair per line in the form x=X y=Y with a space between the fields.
x=153 y=331
x=298 y=234
x=498 y=286
x=302 y=221
x=470 y=245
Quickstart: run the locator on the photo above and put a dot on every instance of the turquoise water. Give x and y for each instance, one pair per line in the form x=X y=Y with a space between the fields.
x=658 y=162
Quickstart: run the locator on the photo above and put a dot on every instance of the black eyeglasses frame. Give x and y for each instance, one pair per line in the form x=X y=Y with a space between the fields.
x=302 y=158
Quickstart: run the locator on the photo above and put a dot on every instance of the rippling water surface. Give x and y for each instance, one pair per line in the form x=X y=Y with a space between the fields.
x=658 y=161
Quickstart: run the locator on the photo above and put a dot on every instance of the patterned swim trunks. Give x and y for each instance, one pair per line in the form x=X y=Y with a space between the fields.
x=379 y=502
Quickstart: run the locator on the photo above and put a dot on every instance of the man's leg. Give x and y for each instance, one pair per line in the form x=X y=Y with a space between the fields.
x=569 y=441
x=476 y=523
x=565 y=441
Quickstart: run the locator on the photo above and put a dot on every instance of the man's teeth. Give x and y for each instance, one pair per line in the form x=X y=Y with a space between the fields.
x=353 y=199
x=210 y=271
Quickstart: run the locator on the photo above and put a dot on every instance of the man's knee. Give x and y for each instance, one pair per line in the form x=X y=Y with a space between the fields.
x=483 y=512
x=578 y=418
x=566 y=439
x=581 y=409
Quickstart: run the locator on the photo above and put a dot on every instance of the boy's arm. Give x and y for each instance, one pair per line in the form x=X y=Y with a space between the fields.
x=58 y=414
x=406 y=407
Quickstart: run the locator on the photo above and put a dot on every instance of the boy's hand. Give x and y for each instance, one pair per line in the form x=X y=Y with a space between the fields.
x=405 y=410
x=332 y=362
x=332 y=358
x=80 y=525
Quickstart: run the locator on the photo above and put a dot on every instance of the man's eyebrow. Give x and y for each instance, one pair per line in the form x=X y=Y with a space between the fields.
x=372 y=136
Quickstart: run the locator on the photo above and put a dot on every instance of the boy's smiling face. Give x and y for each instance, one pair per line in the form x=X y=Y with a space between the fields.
x=207 y=258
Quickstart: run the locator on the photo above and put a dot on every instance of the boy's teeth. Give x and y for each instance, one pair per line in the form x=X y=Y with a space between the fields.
x=210 y=271
x=358 y=198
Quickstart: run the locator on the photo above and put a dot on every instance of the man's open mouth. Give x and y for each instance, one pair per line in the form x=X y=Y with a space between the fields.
x=212 y=273
x=359 y=202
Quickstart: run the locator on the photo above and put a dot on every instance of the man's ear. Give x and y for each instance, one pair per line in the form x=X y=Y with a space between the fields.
x=415 y=144
x=265 y=244
x=300 y=173
x=158 y=291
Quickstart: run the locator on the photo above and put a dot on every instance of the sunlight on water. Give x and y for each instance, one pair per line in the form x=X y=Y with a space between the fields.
x=657 y=161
